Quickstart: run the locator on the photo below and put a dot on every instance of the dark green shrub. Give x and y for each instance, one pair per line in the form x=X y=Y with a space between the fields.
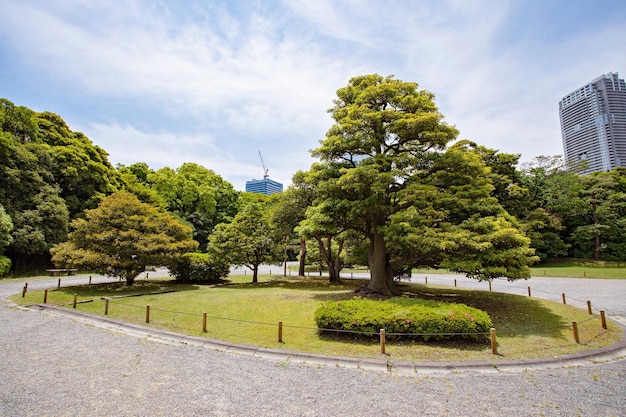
x=403 y=318
x=199 y=267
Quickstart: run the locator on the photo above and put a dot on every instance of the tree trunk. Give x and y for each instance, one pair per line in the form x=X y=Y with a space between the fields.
x=381 y=280
x=255 y=274
x=130 y=281
x=301 y=270
x=596 y=221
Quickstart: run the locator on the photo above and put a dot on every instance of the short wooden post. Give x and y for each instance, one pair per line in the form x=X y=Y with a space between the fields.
x=270 y=272
x=426 y=280
x=148 y=313
x=494 y=344
x=280 y=332
x=26 y=286
x=585 y=274
x=106 y=306
x=351 y=274
x=89 y=279
x=575 y=330
x=147 y=275
x=489 y=285
x=529 y=292
x=204 y=322
x=589 y=307
x=455 y=283
x=24 y=291
x=603 y=319
x=75 y=299
x=59 y=284
x=382 y=341
x=45 y=296
x=563 y=296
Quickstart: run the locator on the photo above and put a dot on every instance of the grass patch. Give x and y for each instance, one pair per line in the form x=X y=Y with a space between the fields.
x=241 y=312
x=580 y=268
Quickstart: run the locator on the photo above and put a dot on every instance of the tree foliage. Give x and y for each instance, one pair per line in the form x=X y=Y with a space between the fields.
x=248 y=240
x=197 y=195
x=123 y=236
x=385 y=172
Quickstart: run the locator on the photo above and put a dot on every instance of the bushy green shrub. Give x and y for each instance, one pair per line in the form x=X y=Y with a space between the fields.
x=199 y=267
x=5 y=265
x=403 y=318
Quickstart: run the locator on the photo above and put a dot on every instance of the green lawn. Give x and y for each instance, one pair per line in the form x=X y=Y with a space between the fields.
x=247 y=313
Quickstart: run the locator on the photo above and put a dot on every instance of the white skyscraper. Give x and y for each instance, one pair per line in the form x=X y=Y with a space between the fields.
x=593 y=124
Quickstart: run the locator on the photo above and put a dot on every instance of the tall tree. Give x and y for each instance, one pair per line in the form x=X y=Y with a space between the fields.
x=6 y=226
x=289 y=210
x=248 y=240
x=123 y=236
x=197 y=195
x=385 y=163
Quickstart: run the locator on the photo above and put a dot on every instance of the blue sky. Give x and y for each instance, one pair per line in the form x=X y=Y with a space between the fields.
x=214 y=82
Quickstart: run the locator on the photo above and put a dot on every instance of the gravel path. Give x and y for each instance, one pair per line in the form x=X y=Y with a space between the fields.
x=55 y=365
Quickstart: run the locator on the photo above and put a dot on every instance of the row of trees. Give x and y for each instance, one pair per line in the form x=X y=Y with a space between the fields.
x=393 y=189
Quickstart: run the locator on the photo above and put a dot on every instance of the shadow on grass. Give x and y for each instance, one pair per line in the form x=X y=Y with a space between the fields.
x=511 y=314
x=140 y=287
x=298 y=284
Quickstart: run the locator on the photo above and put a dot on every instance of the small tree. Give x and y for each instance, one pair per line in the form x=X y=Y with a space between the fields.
x=122 y=236
x=248 y=241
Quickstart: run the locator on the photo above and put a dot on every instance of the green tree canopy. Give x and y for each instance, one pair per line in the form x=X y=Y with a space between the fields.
x=197 y=195
x=385 y=174
x=249 y=240
x=123 y=236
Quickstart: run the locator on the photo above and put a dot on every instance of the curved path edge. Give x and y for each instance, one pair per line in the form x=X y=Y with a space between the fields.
x=606 y=354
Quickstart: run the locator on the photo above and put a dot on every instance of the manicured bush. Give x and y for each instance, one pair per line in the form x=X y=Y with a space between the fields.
x=199 y=267
x=403 y=318
x=5 y=265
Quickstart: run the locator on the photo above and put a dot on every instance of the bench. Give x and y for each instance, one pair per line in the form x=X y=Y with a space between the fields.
x=55 y=272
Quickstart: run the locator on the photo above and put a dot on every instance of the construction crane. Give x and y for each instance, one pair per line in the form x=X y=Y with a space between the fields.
x=266 y=172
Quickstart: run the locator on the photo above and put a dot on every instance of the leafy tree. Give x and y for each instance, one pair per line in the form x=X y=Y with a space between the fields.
x=388 y=179
x=197 y=195
x=122 y=236
x=248 y=240
x=134 y=179
x=289 y=209
x=604 y=231
x=6 y=226
x=79 y=167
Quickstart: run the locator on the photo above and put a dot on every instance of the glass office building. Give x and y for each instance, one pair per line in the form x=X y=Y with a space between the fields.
x=265 y=186
x=593 y=124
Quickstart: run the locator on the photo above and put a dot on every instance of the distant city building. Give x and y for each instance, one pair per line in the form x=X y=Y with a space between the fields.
x=265 y=186
x=593 y=124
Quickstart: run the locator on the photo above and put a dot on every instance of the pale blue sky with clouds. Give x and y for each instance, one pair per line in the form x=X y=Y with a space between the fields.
x=214 y=82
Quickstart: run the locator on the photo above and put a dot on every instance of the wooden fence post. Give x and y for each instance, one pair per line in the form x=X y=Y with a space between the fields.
x=75 y=299
x=45 y=296
x=563 y=296
x=382 y=341
x=59 y=284
x=603 y=319
x=575 y=330
x=529 y=292
x=204 y=322
x=148 y=313
x=89 y=279
x=106 y=306
x=455 y=283
x=280 y=332
x=589 y=307
x=24 y=291
x=494 y=344
x=426 y=280
x=490 y=286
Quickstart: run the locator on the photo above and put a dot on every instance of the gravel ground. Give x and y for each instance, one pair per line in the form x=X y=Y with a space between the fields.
x=56 y=365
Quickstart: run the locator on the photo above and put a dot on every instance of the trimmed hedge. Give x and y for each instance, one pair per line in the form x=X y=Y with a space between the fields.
x=403 y=318
x=199 y=267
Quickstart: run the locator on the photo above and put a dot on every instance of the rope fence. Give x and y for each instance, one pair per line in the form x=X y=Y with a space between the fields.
x=152 y=312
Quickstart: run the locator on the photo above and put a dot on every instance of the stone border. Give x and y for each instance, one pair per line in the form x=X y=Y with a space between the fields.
x=611 y=353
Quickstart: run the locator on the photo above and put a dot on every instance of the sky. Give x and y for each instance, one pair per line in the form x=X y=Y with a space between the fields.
x=217 y=82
